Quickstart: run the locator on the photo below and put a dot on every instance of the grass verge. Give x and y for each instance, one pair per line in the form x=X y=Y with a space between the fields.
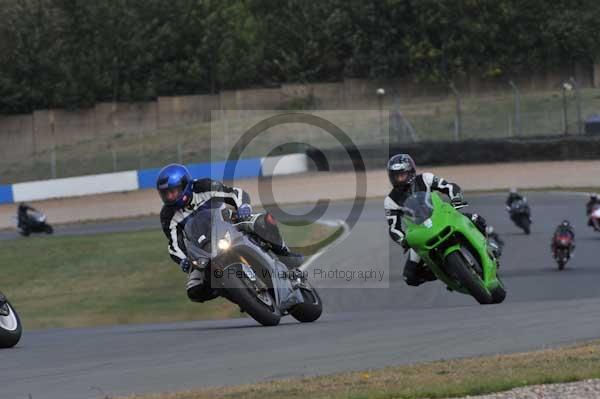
x=442 y=379
x=113 y=278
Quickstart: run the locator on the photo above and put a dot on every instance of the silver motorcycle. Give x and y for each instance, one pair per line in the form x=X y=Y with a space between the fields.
x=243 y=269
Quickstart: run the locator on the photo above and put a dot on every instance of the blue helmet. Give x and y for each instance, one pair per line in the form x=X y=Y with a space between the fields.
x=174 y=184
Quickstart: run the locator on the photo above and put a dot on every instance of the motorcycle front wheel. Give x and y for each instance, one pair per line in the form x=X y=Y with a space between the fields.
x=259 y=304
x=10 y=326
x=468 y=278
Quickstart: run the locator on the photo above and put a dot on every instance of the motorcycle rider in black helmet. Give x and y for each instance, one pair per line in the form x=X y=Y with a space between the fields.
x=564 y=227
x=403 y=176
x=513 y=196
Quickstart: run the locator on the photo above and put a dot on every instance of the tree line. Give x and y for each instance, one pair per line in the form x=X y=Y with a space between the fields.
x=74 y=53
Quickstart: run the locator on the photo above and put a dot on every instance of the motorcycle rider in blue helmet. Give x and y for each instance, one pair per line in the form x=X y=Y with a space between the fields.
x=182 y=196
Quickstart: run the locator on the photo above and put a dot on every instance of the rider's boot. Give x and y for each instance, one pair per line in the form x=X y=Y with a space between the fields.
x=481 y=225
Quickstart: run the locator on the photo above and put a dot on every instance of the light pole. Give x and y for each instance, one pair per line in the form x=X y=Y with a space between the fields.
x=566 y=86
x=578 y=104
x=380 y=93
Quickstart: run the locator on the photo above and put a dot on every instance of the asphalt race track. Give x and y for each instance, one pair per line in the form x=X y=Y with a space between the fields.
x=363 y=328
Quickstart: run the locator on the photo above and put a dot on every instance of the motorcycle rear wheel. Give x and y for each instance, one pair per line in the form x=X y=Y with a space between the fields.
x=312 y=307
x=526 y=225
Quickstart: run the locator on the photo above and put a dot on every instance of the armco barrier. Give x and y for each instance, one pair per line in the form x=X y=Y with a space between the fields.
x=466 y=152
x=142 y=179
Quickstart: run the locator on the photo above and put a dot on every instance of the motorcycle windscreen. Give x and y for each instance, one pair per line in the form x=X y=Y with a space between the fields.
x=418 y=207
x=518 y=205
x=197 y=234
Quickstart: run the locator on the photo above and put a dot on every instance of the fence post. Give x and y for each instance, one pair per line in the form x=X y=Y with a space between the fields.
x=565 y=86
x=114 y=159
x=517 y=96
x=578 y=105
x=53 y=162
x=179 y=154
x=380 y=93
x=458 y=118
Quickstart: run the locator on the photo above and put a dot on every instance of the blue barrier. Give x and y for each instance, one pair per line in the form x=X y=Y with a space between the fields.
x=243 y=168
x=221 y=170
x=6 y=195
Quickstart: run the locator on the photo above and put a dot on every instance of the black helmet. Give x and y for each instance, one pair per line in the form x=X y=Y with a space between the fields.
x=401 y=170
x=594 y=197
x=565 y=223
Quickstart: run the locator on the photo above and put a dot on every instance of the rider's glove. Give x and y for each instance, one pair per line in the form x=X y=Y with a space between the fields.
x=458 y=201
x=185 y=265
x=244 y=212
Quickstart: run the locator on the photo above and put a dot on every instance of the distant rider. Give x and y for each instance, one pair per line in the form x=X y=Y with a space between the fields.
x=401 y=171
x=22 y=216
x=589 y=207
x=563 y=228
x=182 y=196
x=513 y=196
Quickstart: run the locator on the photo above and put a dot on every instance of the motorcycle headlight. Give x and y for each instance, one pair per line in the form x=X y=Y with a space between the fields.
x=224 y=243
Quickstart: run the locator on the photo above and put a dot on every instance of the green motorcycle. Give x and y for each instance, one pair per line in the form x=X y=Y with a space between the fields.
x=452 y=247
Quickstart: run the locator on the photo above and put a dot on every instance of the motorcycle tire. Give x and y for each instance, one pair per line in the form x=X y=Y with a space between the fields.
x=526 y=225
x=10 y=328
x=468 y=278
x=312 y=307
x=241 y=293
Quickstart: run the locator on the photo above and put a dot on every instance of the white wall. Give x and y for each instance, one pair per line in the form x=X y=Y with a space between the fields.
x=285 y=165
x=75 y=186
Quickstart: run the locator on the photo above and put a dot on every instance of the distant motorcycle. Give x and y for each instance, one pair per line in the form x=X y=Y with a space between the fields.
x=520 y=214
x=10 y=324
x=594 y=219
x=33 y=222
x=562 y=246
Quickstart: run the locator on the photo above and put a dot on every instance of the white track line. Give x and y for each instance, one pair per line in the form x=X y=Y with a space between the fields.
x=341 y=238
